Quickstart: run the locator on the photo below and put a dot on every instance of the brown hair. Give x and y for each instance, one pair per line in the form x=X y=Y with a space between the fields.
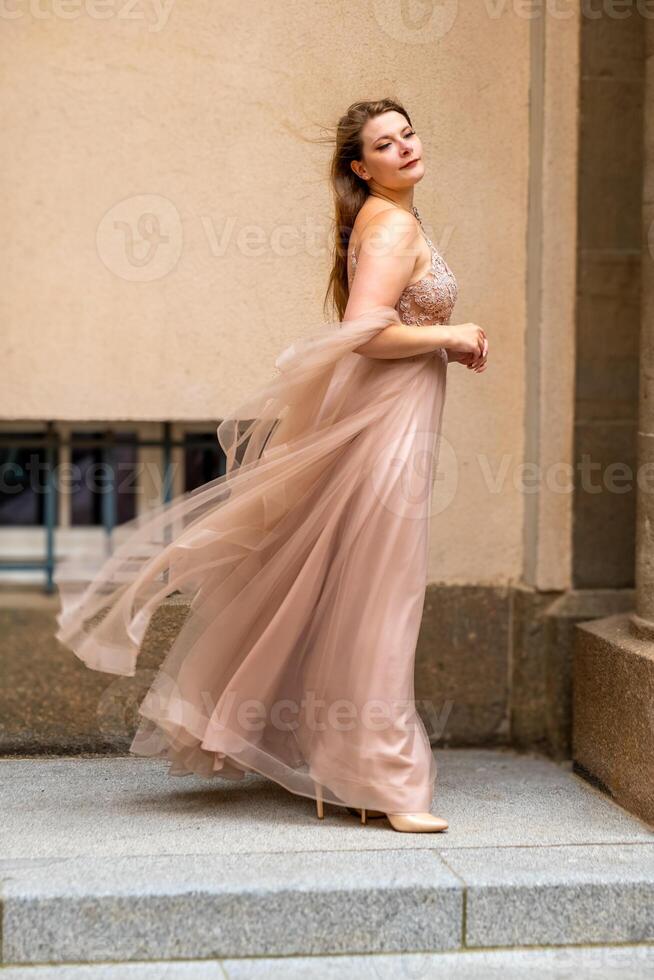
x=349 y=191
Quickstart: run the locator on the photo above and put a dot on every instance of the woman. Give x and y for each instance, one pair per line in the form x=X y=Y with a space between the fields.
x=306 y=563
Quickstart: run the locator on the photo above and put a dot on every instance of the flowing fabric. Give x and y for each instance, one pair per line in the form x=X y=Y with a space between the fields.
x=305 y=566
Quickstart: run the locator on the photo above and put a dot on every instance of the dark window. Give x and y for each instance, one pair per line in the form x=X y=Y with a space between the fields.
x=104 y=481
x=204 y=459
x=23 y=478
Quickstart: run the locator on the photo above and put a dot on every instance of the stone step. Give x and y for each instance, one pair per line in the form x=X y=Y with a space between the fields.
x=113 y=861
x=587 y=962
x=320 y=902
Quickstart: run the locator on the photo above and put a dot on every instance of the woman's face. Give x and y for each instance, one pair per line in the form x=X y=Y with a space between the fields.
x=389 y=142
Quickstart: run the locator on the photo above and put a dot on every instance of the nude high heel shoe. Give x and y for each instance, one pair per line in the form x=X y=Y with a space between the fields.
x=372 y=814
x=410 y=823
x=416 y=823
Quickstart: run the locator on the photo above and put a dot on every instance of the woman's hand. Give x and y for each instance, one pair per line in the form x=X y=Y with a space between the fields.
x=467 y=338
x=473 y=361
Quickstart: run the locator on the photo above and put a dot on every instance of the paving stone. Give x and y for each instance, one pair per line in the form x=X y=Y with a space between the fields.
x=490 y=798
x=523 y=896
x=189 y=906
x=589 y=963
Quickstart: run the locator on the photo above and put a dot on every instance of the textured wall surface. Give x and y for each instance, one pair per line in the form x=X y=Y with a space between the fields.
x=169 y=217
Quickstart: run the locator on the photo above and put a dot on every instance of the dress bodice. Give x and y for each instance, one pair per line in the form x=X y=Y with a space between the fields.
x=431 y=299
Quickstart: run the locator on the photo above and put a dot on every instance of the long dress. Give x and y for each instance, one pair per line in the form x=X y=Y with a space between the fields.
x=305 y=567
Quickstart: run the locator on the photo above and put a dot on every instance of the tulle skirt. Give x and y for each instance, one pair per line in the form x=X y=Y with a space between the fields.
x=305 y=568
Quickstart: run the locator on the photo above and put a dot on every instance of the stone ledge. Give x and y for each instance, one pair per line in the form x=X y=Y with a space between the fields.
x=560 y=963
x=613 y=711
x=493 y=667
x=66 y=910
x=196 y=905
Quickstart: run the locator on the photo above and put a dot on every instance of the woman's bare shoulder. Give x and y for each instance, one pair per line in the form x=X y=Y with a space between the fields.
x=391 y=224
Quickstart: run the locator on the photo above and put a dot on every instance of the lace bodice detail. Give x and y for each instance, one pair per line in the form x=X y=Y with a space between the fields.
x=431 y=299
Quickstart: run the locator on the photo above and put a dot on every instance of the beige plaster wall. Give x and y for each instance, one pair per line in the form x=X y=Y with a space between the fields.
x=141 y=137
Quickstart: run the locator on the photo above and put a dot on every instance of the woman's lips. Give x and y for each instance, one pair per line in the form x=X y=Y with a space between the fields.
x=410 y=164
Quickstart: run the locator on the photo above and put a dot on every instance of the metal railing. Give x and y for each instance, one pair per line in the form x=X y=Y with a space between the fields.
x=52 y=442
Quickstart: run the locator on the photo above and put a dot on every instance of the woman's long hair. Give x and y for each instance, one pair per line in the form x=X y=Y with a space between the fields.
x=349 y=191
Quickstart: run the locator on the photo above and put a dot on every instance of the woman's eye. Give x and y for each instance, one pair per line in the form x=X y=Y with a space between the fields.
x=384 y=145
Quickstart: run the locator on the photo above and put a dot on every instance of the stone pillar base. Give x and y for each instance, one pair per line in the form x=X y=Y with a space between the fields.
x=613 y=711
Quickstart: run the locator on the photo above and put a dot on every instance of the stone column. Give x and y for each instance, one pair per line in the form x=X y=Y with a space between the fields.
x=613 y=692
x=643 y=617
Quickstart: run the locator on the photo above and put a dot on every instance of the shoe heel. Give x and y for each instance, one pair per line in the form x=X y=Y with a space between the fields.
x=319 y=807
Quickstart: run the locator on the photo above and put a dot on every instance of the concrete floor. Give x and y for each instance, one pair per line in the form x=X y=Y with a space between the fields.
x=242 y=878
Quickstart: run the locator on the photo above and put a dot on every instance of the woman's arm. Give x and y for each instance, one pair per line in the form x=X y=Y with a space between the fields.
x=404 y=340
x=387 y=256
